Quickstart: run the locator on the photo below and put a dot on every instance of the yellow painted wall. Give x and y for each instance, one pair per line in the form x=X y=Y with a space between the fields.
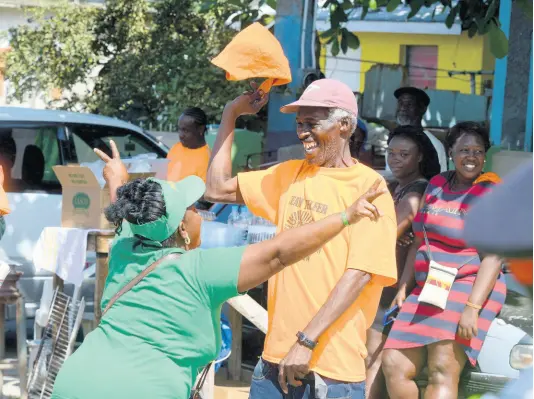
x=488 y=60
x=457 y=53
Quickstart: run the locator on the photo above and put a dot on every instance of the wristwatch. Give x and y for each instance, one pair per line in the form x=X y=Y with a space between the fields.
x=303 y=340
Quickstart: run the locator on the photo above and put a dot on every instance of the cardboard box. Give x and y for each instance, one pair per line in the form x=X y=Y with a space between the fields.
x=84 y=200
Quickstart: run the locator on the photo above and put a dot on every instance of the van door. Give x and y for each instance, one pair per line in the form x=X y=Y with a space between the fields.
x=28 y=152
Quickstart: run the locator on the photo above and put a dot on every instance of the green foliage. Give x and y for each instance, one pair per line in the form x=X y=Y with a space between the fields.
x=498 y=42
x=477 y=17
x=53 y=51
x=148 y=60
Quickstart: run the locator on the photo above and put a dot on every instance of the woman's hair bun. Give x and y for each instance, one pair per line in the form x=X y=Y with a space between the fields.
x=139 y=201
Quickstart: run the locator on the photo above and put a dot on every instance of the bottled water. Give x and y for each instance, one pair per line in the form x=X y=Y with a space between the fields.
x=260 y=230
x=247 y=228
x=238 y=228
x=245 y=217
x=234 y=215
x=207 y=216
x=243 y=222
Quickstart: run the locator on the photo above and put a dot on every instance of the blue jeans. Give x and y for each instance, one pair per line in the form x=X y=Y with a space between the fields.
x=265 y=386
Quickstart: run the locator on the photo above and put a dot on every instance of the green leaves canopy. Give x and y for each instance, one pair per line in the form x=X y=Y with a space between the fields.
x=148 y=60
x=476 y=17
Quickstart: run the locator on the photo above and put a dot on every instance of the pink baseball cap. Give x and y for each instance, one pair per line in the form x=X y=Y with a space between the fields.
x=327 y=93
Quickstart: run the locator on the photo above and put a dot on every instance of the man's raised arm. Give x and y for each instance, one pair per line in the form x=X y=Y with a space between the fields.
x=220 y=185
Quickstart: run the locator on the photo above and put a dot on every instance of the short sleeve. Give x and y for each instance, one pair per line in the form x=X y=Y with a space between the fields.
x=433 y=188
x=372 y=244
x=261 y=190
x=417 y=187
x=218 y=272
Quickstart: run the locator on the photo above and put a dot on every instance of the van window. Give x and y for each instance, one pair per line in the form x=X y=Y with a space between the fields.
x=129 y=143
x=27 y=156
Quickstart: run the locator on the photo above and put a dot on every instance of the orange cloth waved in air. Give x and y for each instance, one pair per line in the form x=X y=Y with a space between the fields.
x=255 y=53
x=185 y=162
x=293 y=194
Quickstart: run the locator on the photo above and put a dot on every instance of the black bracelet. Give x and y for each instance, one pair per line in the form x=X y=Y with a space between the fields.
x=303 y=340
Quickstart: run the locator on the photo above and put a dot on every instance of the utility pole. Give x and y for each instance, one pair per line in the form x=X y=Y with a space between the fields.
x=294 y=28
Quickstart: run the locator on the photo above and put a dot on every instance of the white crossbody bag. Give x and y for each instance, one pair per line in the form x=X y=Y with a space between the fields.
x=439 y=280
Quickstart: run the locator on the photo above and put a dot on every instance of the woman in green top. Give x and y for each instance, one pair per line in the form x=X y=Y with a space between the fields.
x=155 y=337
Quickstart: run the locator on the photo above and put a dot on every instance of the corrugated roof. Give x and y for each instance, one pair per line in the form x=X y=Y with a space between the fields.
x=436 y=13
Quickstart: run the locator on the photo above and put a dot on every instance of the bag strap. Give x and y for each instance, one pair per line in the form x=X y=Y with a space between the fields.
x=427 y=244
x=195 y=393
x=137 y=279
x=430 y=254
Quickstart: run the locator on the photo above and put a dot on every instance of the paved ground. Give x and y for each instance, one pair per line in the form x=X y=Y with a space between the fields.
x=225 y=389
x=10 y=389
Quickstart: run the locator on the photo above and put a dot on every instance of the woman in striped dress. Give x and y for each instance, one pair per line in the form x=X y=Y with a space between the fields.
x=445 y=339
x=413 y=160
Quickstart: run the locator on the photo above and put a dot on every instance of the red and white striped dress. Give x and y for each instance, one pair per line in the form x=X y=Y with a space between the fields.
x=420 y=324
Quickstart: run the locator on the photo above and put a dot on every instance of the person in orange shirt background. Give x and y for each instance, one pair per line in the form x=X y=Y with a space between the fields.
x=8 y=150
x=318 y=312
x=4 y=204
x=191 y=155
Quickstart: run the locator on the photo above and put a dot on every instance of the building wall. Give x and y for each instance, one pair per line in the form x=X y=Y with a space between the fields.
x=455 y=52
x=459 y=53
x=488 y=61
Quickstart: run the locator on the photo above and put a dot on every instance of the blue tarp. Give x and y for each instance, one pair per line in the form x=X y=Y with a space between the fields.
x=226 y=346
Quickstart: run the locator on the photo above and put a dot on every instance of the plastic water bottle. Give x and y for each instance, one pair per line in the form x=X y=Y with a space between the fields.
x=243 y=222
x=234 y=216
x=235 y=229
x=245 y=217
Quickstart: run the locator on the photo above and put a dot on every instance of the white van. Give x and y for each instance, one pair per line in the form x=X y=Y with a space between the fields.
x=32 y=142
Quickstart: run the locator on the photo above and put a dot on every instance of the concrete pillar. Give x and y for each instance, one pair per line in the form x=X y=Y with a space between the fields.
x=281 y=128
x=518 y=72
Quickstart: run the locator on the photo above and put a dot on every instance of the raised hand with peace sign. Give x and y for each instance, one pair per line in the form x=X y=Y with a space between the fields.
x=115 y=172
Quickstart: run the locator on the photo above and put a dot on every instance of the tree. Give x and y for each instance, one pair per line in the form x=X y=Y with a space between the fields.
x=478 y=17
x=147 y=61
x=51 y=52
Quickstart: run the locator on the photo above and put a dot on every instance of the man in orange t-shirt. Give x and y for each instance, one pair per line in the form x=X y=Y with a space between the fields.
x=191 y=155
x=319 y=309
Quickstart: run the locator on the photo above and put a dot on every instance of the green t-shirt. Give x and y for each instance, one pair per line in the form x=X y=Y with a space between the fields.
x=160 y=332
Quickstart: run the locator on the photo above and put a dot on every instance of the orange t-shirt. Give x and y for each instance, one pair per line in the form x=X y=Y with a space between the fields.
x=185 y=162
x=295 y=193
